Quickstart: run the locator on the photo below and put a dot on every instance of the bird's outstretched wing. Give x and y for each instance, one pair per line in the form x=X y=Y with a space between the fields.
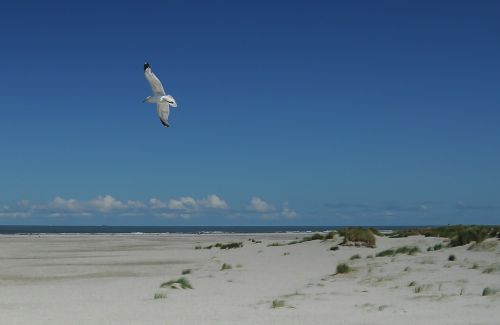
x=153 y=80
x=163 y=110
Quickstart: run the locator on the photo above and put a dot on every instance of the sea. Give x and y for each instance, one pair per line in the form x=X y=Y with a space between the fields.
x=138 y=230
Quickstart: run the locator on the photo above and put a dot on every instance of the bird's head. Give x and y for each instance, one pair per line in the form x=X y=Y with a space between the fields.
x=171 y=101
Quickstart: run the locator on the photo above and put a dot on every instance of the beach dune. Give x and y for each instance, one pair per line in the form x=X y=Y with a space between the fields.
x=117 y=279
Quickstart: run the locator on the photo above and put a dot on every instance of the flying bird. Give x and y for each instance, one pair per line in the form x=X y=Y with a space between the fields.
x=160 y=98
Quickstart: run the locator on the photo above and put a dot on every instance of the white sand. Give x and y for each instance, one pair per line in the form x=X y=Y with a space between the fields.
x=112 y=280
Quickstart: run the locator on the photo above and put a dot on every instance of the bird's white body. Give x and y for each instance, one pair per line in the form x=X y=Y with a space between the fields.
x=160 y=98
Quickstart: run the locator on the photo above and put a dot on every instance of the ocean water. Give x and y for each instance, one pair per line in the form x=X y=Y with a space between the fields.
x=11 y=230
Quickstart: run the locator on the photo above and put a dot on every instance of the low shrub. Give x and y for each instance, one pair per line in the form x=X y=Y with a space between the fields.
x=488 y=291
x=361 y=236
x=343 y=268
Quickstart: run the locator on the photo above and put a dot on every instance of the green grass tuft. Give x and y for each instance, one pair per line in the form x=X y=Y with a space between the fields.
x=489 y=291
x=451 y=257
x=355 y=257
x=343 y=268
x=329 y=235
x=226 y=266
x=160 y=296
x=230 y=245
x=410 y=250
x=182 y=282
x=278 y=303
x=387 y=252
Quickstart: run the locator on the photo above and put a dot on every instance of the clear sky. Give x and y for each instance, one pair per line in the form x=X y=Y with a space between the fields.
x=289 y=112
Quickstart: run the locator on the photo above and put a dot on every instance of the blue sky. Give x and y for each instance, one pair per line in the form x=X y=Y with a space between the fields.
x=290 y=113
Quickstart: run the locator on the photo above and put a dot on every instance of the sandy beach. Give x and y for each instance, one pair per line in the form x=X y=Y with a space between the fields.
x=116 y=279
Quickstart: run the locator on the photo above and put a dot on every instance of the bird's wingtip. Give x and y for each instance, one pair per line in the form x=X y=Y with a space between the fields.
x=146 y=65
x=165 y=124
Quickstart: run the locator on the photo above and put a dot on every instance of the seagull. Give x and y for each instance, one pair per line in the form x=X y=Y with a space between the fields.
x=162 y=100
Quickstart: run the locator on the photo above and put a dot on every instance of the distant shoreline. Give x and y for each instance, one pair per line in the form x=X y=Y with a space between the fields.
x=163 y=230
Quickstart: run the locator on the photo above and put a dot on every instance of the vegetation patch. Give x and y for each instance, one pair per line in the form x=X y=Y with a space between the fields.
x=355 y=257
x=451 y=258
x=459 y=235
x=387 y=252
x=186 y=271
x=409 y=250
x=315 y=236
x=357 y=237
x=182 y=282
x=160 y=295
x=229 y=245
x=226 y=266
x=489 y=291
x=343 y=268
x=329 y=235
x=277 y=303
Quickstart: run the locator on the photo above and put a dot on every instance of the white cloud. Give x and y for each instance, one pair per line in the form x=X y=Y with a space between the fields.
x=183 y=203
x=214 y=202
x=188 y=203
x=14 y=214
x=107 y=203
x=60 y=203
x=259 y=205
x=287 y=213
x=155 y=203
x=181 y=207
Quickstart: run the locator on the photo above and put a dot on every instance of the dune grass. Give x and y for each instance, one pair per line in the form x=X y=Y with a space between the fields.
x=451 y=258
x=229 y=245
x=459 y=235
x=182 y=282
x=387 y=252
x=226 y=266
x=160 y=295
x=489 y=291
x=409 y=250
x=186 y=271
x=343 y=268
x=361 y=236
x=316 y=236
x=355 y=257
x=277 y=303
